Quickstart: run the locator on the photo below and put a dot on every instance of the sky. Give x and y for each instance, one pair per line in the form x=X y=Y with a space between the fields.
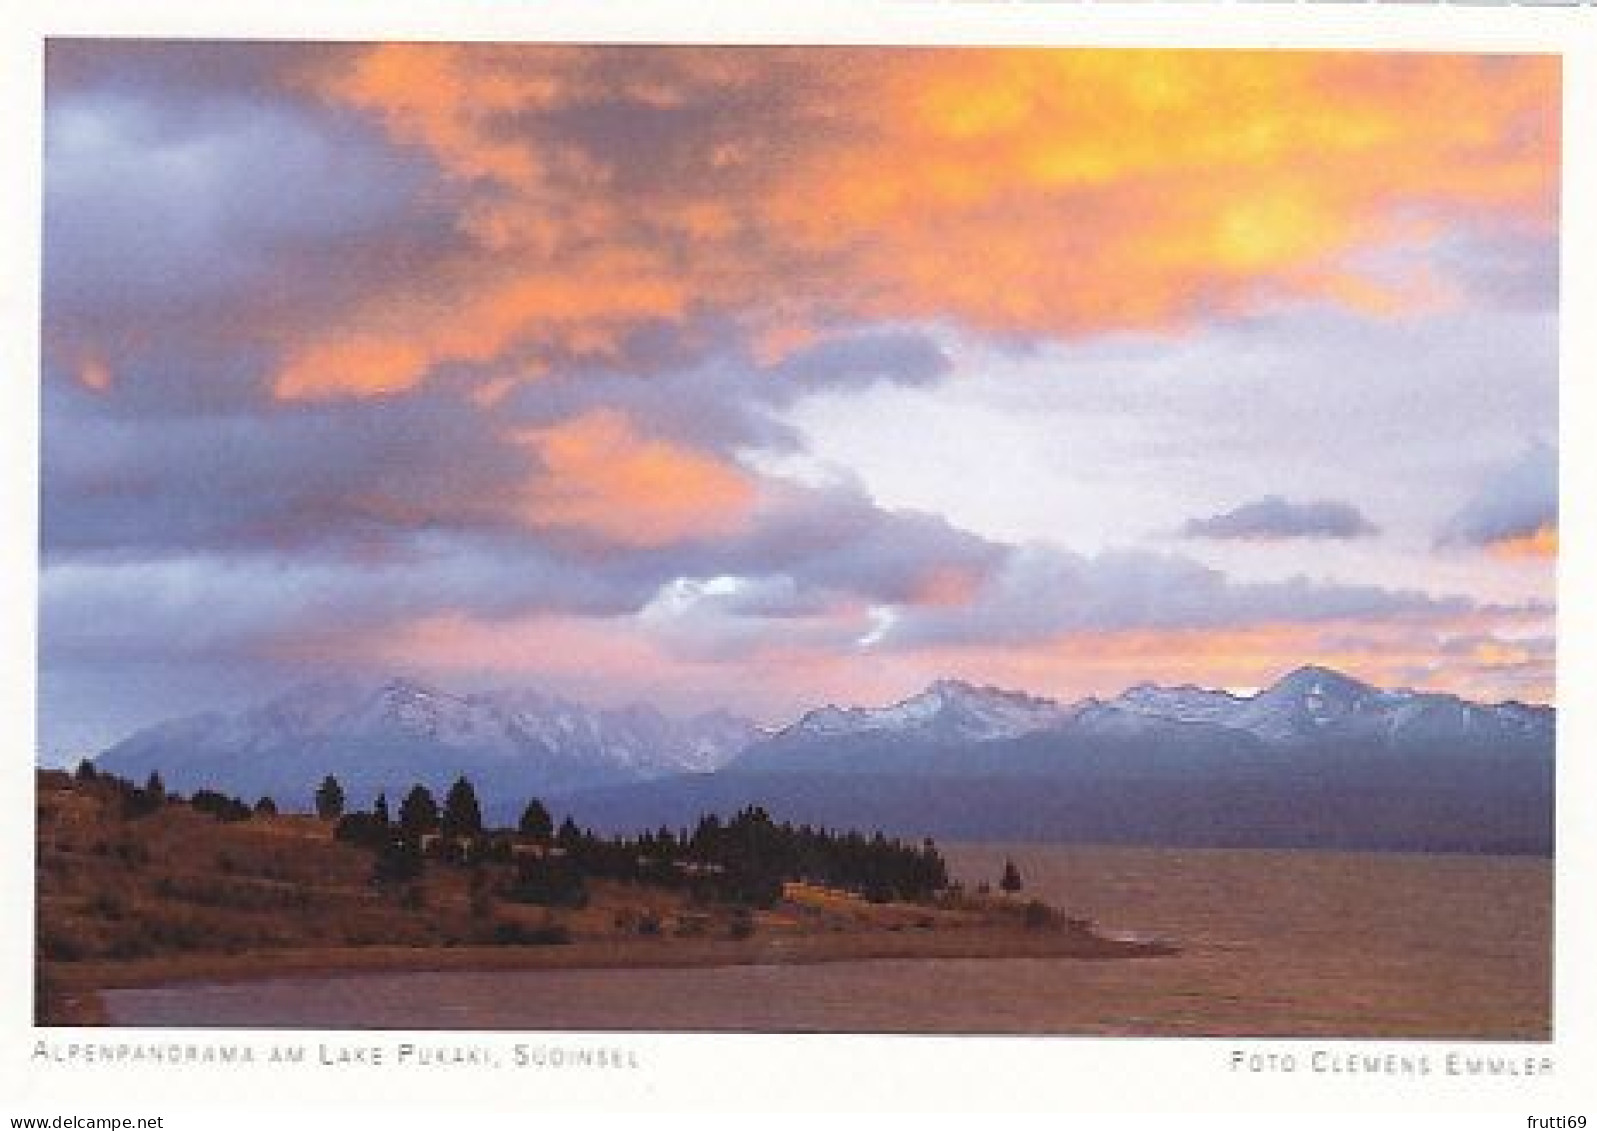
x=761 y=377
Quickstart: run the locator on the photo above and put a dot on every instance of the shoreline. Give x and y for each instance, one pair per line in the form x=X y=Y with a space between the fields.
x=76 y=986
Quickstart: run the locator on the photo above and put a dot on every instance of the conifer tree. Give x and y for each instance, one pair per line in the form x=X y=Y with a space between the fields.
x=330 y=799
x=418 y=813
x=462 y=815
x=398 y=861
x=536 y=824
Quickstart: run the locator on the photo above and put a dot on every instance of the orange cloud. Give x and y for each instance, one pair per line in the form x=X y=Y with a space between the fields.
x=1542 y=544
x=946 y=586
x=1411 y=654
x=369 y=363
x=401 y=336
x=95 y=375
x=431 y=94
x=617 y=659
x=608 y=660
x=604 y=481
x=1049 y=192
x=1085 y=190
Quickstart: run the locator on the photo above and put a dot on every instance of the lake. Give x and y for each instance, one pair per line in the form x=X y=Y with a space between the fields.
x=1275 y=943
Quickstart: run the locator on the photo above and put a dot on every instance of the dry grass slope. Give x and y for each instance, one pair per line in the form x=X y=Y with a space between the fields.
x=178 y=894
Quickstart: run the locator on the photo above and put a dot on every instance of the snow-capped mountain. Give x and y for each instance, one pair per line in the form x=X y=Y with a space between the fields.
x=1316 y=706
x=954 y=727
x=948 y=710
x=1185 y=704
x=1307 y=704
x=513 y=743
x=1317 y=758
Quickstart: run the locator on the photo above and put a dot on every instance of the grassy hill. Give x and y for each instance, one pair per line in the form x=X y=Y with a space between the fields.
x=162 y=891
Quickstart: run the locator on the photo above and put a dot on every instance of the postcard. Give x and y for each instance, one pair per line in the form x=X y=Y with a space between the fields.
x=988 y=557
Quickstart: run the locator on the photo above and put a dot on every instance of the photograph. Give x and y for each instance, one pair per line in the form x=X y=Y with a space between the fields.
x=643 y=537
x=572 y=537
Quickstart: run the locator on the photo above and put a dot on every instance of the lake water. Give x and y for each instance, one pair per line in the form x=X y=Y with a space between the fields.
x=1274 y=943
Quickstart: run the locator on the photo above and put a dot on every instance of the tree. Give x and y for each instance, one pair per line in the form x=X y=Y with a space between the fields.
x=549 y=881
x=398 y=861
x=380 y=811
x=1038 y=915
x=1011 y=880
x=219 y=805
x=362 y=828
x=266 y=807
x=462 y=815
x=135 y=802
x=330 y=799
x=418 y=813
x=155 y=788
x=536 y=823
x=86 y=771
x=569 y=836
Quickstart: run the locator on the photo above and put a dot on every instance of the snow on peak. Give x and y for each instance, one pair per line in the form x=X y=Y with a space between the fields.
x=1312 y=680
x=948 y=708
x=515 y=725
x=1186 y=703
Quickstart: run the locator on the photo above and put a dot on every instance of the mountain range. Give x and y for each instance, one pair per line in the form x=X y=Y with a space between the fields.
x=955 y=727
x=1318 y=758
x=511 y=744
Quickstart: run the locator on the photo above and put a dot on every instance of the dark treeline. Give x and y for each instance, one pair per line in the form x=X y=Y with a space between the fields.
x=743 y=860
x=135 y=801
x=747 y=859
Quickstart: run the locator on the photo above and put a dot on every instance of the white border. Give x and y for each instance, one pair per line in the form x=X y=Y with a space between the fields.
x=792 y=1073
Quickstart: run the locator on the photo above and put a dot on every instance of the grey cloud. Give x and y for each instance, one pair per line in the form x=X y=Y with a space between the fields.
x=807 y=546
x=146 y=476
x=800 y=576
x=1504 y=270
x=246 y=607
x=232 y=536
x=1515 y=502
x=349 y=476
x=778 y=597
x=203 y=220
x=1540 y=648
x=189 y=72
x=1273 y=518
x=897 y=357
x=836 y=538
x=715 y=137
x=720 y=623
x=697 y=383
x=1044 y=591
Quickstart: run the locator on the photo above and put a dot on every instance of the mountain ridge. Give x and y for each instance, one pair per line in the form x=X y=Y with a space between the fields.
x=383 y=736
x=1312 y=730
x=1311 y=706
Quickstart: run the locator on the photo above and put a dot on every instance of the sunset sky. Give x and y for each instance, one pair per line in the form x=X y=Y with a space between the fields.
x=761 y=377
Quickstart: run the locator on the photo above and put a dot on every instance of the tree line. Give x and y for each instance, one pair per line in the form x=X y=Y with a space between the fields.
x=745 y=859
x=135 y=801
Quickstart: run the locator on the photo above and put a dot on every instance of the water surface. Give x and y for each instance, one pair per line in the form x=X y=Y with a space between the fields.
x=1284 y=943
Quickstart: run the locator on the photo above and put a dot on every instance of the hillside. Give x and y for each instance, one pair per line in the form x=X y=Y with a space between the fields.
x=159 y=890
